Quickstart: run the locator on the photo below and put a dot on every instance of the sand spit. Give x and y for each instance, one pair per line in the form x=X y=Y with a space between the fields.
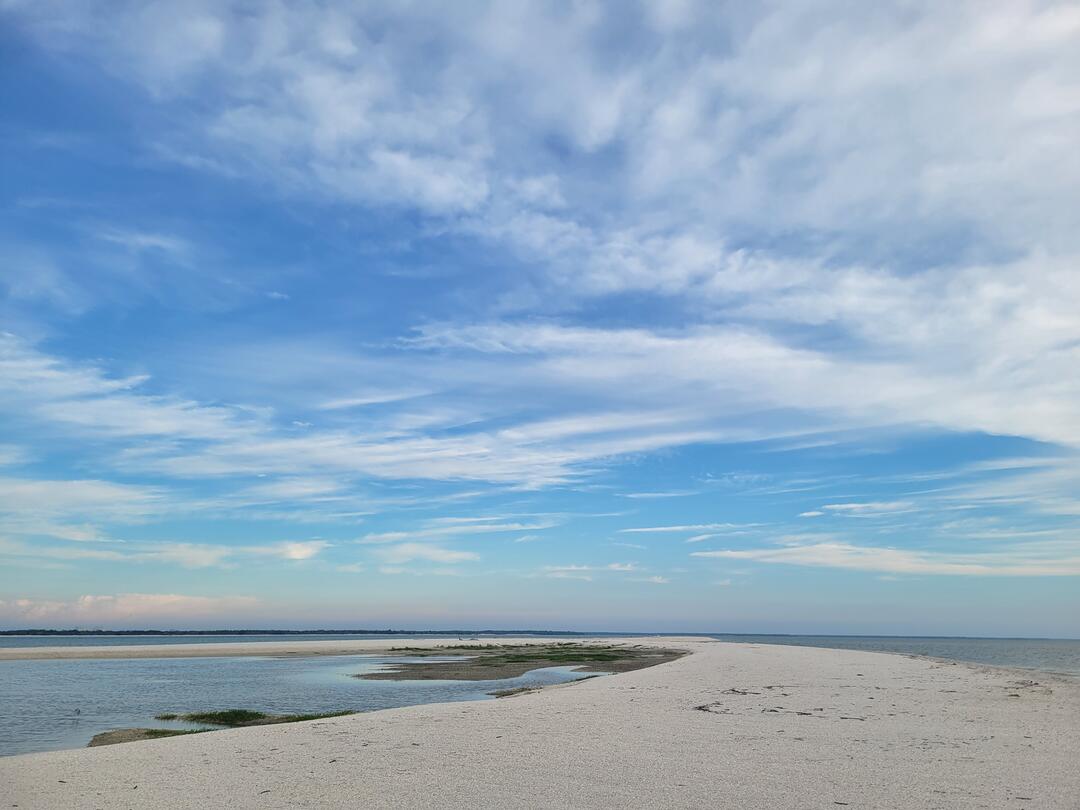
x=729 y=726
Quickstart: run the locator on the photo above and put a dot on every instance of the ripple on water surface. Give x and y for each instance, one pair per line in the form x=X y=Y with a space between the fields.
x=50 y=705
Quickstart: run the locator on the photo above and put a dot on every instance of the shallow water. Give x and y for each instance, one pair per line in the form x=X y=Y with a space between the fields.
x=50 y=705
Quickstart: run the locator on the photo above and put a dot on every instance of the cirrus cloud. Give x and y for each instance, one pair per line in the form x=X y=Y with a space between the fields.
x=125 y=609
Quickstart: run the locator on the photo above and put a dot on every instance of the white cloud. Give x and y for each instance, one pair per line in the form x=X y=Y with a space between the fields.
x=739 y=381
x=127 y=609
x=298 y=550
x=868 y=509
x=696 y=527
x=456 y=528
x=183 y=438
x=137 y=241
x=586 y=573
x=892 y=273
x=569 y=573
x=64 y=497
x=1027 y=560
x=675 y=493
x=945 y=263
x=73 y=509
x=294 y=488
x=375 y=120
x=370 y=398
x=627 y=545
x=186 y=555
x=568 y=568
x=719 y=374
x=85 y=398
x=380 y=121
x=11 y=454
x=1049 y=487
x=408 y=552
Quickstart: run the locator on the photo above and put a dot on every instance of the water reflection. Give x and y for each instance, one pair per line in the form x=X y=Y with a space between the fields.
x=49 y=705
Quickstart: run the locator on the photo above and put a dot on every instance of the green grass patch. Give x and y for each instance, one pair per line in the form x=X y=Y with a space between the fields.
x=536 y=650
x=299 y=718
x=561 y=655
x=520 y=690
x=229 y=717
x=246 y=717
x=173 y=732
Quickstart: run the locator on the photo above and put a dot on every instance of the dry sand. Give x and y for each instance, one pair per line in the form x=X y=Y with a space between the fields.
x=730 y=726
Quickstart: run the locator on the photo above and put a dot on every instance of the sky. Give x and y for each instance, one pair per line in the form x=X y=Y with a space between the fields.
x=658 y=316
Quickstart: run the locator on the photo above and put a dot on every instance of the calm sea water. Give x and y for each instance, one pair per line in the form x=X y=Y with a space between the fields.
x=1059 y=656
x=50 y=705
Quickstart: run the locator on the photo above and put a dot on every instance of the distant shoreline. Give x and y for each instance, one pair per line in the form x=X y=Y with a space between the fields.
x=41 y=632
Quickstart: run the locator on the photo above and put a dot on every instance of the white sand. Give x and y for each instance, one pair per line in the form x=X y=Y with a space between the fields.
x=879 y=731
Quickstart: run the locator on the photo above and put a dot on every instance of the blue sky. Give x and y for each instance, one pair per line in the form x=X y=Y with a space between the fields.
x=670 y=316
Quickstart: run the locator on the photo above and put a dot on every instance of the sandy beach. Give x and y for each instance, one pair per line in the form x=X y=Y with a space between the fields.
x=730 y=725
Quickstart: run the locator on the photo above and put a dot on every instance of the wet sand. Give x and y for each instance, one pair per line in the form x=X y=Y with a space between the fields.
x=730 y=725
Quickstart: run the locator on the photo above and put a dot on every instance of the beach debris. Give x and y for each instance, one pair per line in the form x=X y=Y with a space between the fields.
x=713 y=708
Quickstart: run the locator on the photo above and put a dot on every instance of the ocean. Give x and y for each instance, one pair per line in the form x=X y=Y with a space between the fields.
x=1057 y=656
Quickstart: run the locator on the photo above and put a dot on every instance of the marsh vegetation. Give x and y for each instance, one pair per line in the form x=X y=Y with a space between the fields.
x=482 y=662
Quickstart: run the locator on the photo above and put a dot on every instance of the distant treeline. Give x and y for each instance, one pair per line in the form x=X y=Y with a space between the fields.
x=44 y=632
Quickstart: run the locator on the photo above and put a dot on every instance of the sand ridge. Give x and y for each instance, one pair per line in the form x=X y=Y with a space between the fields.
x=731 y=725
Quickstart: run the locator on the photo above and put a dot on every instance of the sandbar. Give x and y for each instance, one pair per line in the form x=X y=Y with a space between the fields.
x=730 y=725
